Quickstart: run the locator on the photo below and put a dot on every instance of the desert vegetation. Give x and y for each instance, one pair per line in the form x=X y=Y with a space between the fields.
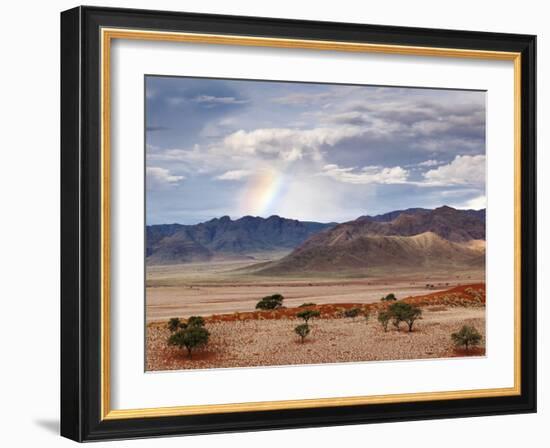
x=270 y=302
x=352 y=313
x=404 y=312
x=466 y=337
x=451 y=328
x=307 y=315
x=189 y=334
x=302 y=330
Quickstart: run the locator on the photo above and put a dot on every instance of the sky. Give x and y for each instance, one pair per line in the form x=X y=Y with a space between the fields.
x=314 y=152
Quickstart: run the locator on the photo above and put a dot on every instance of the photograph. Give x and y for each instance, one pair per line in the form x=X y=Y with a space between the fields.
x=293 y=223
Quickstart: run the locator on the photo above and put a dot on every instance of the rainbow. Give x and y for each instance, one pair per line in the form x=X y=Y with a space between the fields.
x=262 y=192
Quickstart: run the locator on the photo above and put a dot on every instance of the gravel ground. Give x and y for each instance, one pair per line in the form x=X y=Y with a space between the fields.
x=251 y=343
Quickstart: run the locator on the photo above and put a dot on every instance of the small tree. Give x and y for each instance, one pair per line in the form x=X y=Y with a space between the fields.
x=195 y=321
x=384 y=318
x=307 y=315
x=397 y=311
x=466 y=337
x=174 y=324
x=306 y=304
x=404 y=312
x=190 y=338
x=302 y=330
x=270 y=302
x=352 y=313
x=389 y=298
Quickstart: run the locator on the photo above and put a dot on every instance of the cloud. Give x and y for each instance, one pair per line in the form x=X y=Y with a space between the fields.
x=352 y=117
x=476 y=203
x=367 y=175
x=159 y=178
x=213 y=100
x=234 y=175
x=429 y=163
x=288 y=144
x=194 y=161
x=426 y=121
x=303 y=98
x=206 y=100
x=463 y=170
x=407 y=108
x=176 y=100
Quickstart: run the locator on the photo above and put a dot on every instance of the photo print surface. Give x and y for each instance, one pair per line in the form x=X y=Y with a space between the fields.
x=293 y=223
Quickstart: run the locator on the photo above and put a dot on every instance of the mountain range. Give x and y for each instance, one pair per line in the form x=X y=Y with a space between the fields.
x=416 y=237
x=224 y=237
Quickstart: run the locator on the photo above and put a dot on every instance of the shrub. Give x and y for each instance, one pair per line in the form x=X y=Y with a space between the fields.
x=302 y=330
x=307 y=315
x=190 y=338
x=195 y=321
x=352 y=313
x=389 y=298
x=404 y=312
x=304 y=305
x=270 y=302
x=384 y=318
x=174 y=324
x=466 y=337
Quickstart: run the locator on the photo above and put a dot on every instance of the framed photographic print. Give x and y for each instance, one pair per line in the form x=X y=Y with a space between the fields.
x=273 y=223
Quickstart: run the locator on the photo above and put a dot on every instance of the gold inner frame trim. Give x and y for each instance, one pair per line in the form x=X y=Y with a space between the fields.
x=107 y=35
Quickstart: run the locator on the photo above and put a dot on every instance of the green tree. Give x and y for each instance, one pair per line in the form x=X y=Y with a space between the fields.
x=466 y=337
x=384 y=318
x=195 y=321
x=190 y=338
x=270 y=302
x=306 y=304
x=307 y=315
x=352 y=313
x=302 y=330
x=404 y=312
x=174 y=324
x=389 y=298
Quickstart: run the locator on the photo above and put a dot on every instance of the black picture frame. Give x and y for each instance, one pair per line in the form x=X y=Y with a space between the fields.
x=81 y=224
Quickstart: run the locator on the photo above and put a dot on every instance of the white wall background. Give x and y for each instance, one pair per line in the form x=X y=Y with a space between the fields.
x=29 y=223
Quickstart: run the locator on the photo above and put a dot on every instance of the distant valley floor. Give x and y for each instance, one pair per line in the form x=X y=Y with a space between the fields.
x=213 y=288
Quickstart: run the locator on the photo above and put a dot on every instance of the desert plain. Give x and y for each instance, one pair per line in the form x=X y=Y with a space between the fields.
x=225 y=294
